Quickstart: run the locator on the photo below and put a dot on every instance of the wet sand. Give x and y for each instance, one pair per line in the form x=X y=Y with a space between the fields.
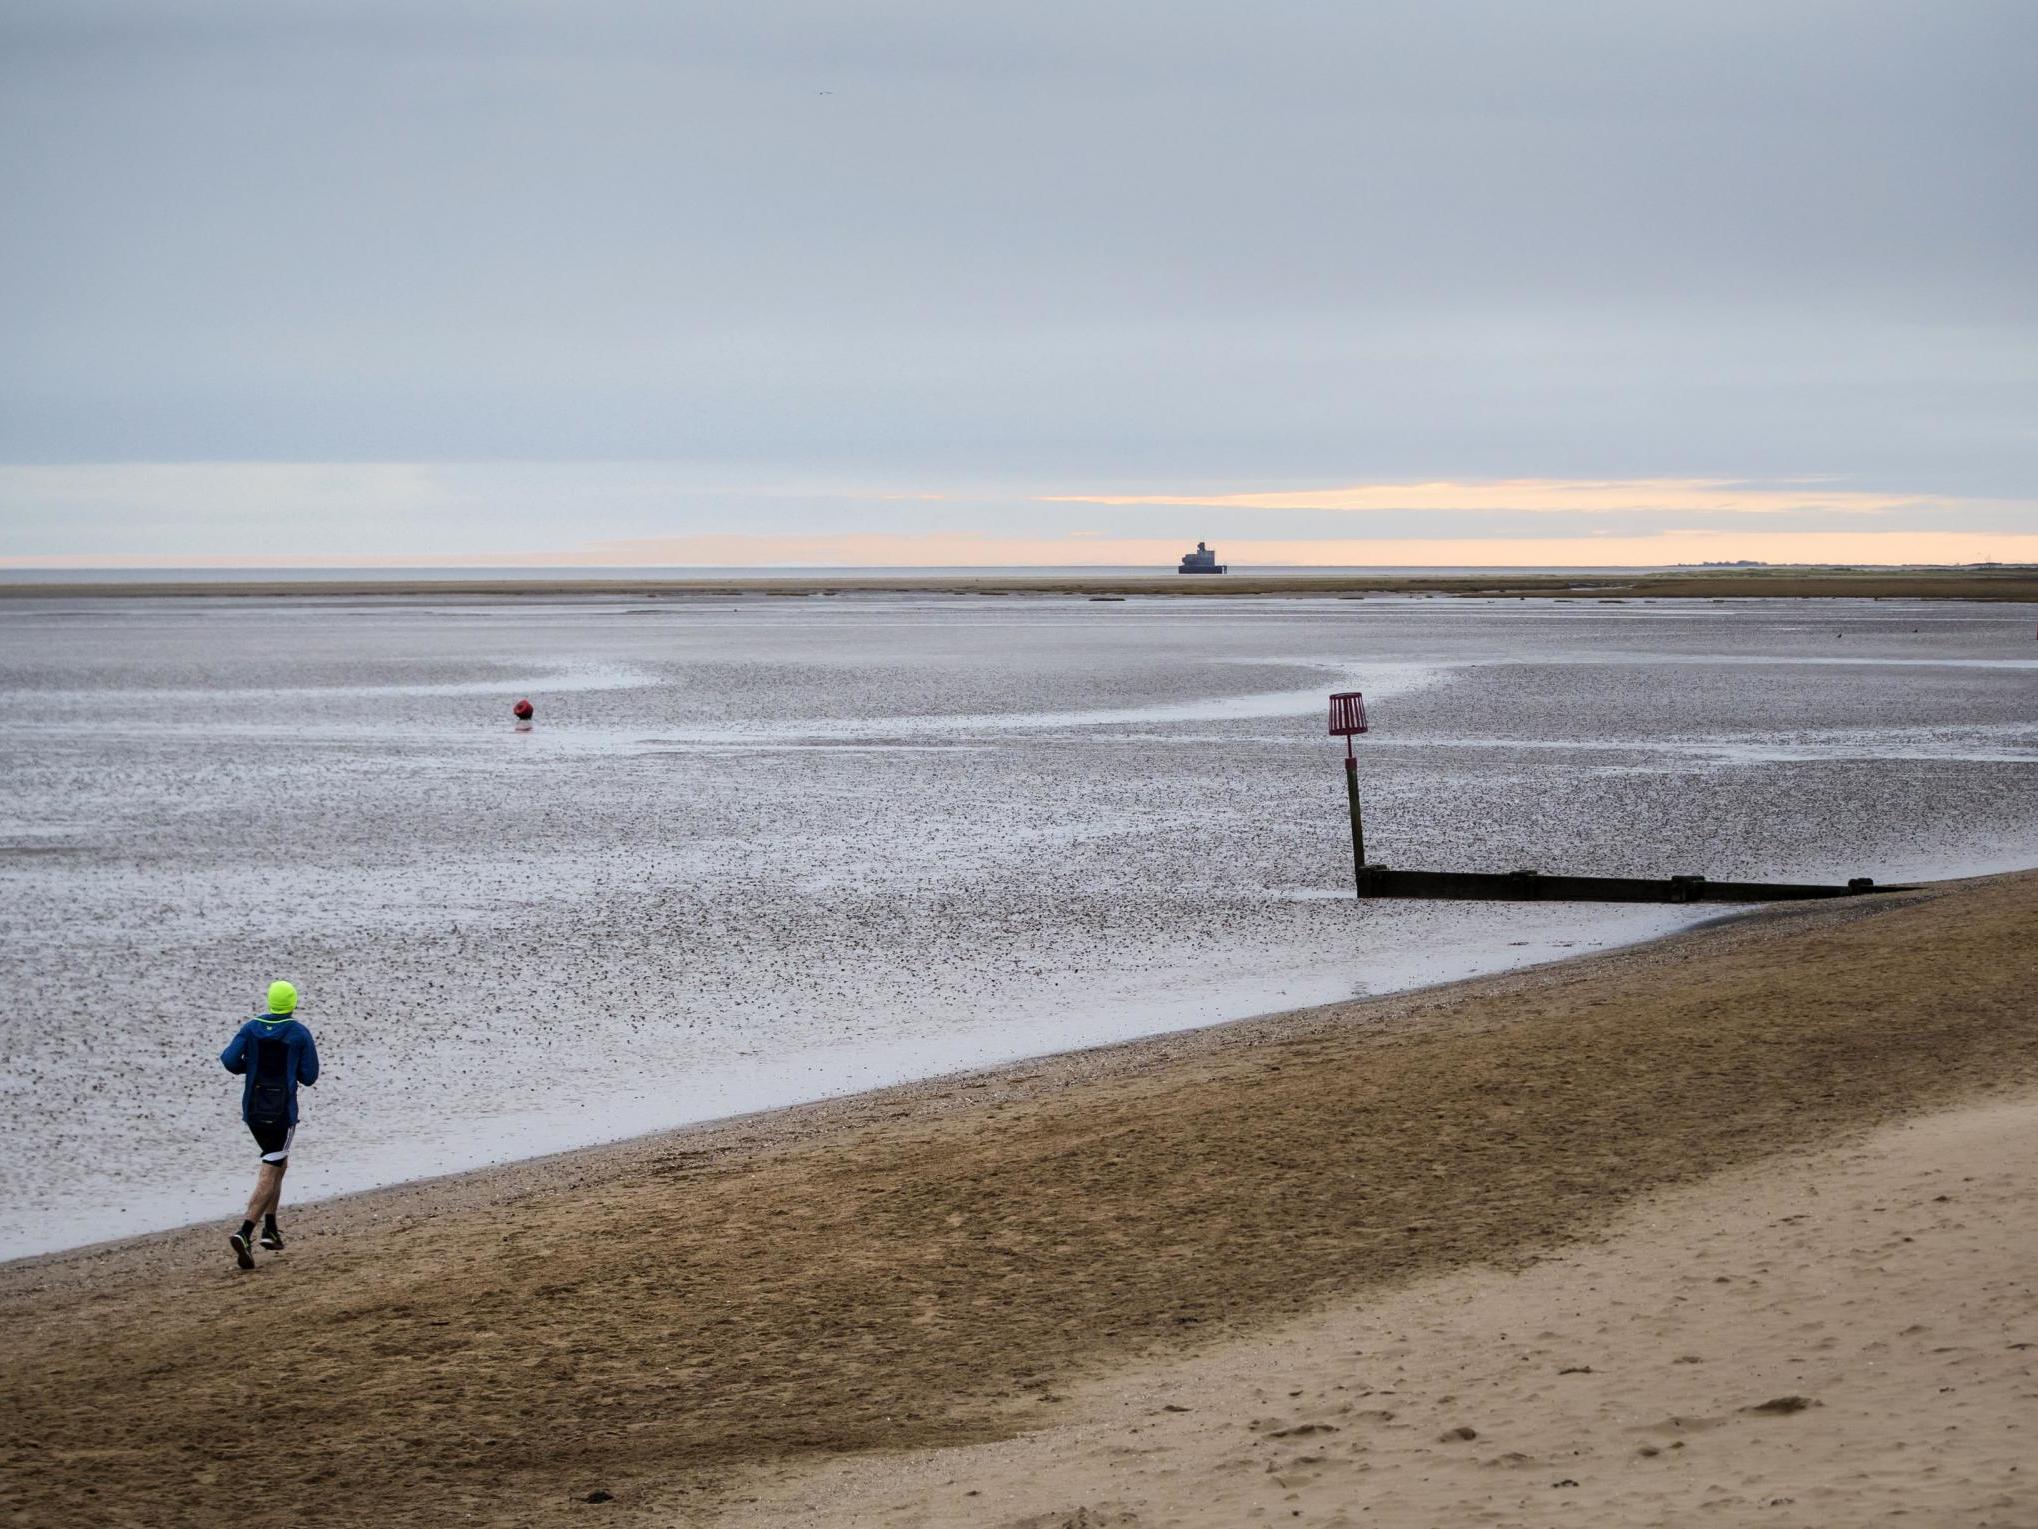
x=2008 y=583
x=939 y=1265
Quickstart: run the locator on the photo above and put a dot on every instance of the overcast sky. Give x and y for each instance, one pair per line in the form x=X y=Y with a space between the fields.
x=791 y=282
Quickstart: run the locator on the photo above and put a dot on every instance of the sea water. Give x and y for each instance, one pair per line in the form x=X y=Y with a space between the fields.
x=757 y=849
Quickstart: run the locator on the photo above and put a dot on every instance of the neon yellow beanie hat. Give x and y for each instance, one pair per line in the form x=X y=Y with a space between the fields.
x=282 y=998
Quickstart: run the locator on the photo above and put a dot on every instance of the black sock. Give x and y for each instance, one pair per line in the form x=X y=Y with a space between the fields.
x=269 y=1222
x=247 y=1228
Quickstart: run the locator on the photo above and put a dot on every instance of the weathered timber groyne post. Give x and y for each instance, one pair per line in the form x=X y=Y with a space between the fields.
x=1347 y=721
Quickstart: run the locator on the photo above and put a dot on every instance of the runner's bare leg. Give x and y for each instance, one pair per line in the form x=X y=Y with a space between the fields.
x=268 y=1191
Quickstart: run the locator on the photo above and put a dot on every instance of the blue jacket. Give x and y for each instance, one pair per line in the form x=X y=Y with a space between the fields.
x=277 y=1054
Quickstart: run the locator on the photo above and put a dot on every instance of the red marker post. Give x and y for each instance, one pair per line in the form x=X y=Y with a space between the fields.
x=1347 y=721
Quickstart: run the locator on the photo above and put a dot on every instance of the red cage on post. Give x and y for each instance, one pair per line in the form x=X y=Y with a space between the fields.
x=1347 y=714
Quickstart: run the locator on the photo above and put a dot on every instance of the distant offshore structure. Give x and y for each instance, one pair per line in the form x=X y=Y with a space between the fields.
x=1202 y=560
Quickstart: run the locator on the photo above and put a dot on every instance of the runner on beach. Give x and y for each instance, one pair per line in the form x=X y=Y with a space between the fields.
x=276 y=1053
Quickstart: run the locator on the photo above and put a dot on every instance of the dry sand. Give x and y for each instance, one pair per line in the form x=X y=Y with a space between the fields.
x=1836 y=1337
x=1998 y=583
x=658 y=1324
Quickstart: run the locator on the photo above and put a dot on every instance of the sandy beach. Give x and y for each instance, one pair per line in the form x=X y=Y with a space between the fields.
x=685 y=1328
x=1826 y=1337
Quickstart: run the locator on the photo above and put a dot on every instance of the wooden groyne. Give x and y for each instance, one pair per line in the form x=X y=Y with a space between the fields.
x=1534 y=886
x=1348 y=721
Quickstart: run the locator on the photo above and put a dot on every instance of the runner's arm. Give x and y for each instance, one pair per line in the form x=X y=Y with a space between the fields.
x=307 y=1061
x=235 y=1057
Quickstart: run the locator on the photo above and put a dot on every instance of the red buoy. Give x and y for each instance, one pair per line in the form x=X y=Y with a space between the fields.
x=522 y=711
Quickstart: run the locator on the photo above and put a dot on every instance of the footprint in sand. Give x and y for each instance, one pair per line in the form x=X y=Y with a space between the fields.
x=1302 y=1430
x=1673 y=1427
x=1104 y=1516
x=1781 y=1406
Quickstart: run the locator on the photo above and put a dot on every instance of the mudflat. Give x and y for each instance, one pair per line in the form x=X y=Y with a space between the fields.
x=651 y=1326
x=2008 y=582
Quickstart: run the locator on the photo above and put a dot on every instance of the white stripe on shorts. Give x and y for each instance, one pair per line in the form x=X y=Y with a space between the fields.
x=284 y=1151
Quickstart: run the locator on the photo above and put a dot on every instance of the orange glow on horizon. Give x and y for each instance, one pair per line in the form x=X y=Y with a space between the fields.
x=1556 y=496
x=963 y=550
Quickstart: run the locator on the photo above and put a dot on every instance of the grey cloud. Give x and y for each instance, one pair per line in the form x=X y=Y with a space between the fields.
x=1248 y=243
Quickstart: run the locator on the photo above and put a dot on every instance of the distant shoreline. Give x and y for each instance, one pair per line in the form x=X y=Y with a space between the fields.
x=2019 y=583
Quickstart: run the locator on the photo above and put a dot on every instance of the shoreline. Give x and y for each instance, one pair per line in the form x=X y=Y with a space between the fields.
x=932 y=1265
x=1990 y=584
x=1493 y=961
x=365 y=730
x=1020 y=1079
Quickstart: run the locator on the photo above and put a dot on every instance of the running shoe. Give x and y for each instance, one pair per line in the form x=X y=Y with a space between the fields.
x=243 y=1254
x=271 y=1238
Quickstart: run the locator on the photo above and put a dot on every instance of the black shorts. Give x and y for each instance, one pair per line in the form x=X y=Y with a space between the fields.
x=273 y=1137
